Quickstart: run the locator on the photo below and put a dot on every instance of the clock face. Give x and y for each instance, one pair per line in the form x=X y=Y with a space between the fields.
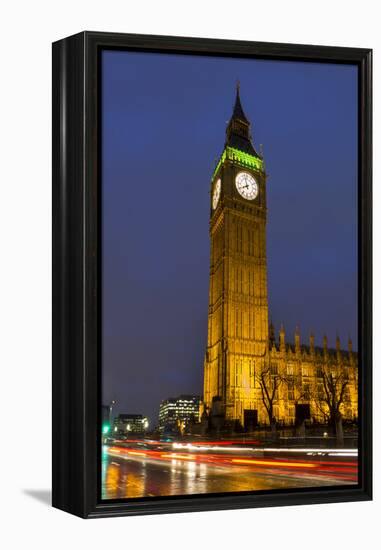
x=216 y=193
x=246 y=185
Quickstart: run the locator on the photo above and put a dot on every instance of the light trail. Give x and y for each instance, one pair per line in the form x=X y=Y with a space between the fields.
x=319 y=466
x=177 y=456
x=138 y=453
x=273 y=463
x=309 y=451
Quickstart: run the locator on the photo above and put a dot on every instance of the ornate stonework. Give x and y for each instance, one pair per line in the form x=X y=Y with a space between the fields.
x=249 y=375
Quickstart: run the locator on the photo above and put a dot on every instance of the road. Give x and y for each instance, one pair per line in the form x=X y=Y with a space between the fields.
x=136 y=469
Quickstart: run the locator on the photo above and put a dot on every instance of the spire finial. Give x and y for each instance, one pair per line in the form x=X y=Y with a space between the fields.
x=350 y=344
x=297 y=339
x=325 y=343
x=282 y=338
x=237 y=109
x=337 y=341
x=312 y=342
x=238 y=135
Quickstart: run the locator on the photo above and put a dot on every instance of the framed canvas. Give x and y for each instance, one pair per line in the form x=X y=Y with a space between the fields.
x=211 y=274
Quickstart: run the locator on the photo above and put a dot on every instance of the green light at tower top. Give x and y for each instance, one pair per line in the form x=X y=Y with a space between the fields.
x=239 y=157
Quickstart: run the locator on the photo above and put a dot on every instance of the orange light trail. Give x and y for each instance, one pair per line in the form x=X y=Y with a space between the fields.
x=137 y=453
x=177 y=456
x=274 y=463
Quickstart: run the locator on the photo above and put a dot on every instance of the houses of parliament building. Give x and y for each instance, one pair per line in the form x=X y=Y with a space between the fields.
x=251 y=374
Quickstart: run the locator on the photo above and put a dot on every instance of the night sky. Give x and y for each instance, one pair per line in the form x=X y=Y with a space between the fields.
x=164 y=120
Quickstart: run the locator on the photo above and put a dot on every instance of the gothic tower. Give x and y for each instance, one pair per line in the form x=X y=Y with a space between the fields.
x=237 y=344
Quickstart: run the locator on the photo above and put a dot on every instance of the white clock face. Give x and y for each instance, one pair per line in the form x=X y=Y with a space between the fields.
x=216 y=193
x=246 y=185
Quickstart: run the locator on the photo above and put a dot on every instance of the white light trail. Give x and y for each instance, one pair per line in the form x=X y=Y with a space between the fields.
x=309 y=451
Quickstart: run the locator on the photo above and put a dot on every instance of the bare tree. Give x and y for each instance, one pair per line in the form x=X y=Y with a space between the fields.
x=270 y=380
x=302 y=391
x=297 y=392
x=332 y=383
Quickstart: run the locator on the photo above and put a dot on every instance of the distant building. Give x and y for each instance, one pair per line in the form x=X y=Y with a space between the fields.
x=176 y=412
x=130 y=423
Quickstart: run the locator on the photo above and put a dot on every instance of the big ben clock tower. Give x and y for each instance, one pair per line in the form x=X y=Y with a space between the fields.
x=237 y=345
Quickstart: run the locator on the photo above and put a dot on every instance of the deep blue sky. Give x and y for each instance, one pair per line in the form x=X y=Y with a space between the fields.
x=164 y=119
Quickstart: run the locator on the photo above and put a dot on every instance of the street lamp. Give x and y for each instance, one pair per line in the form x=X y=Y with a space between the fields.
x=110 y=408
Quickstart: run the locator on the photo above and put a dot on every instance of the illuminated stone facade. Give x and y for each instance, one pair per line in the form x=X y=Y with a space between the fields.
x=249 y=376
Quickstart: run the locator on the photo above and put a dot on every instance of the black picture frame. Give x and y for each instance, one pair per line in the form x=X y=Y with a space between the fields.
x=76 y=272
